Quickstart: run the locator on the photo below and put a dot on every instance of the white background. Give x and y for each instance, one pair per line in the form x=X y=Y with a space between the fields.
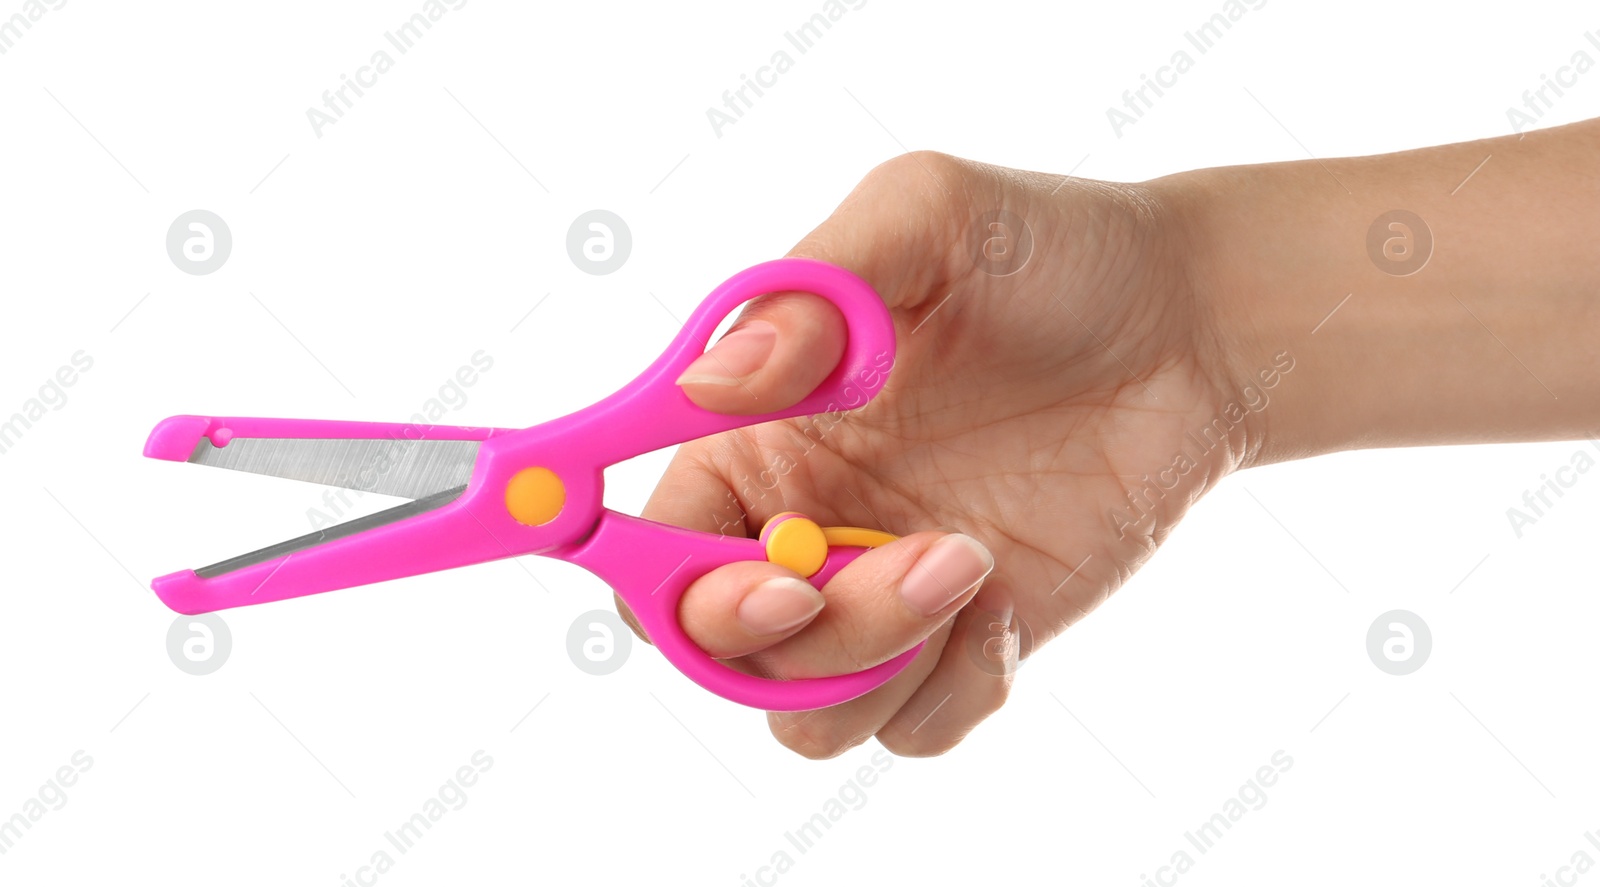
x=410 y=235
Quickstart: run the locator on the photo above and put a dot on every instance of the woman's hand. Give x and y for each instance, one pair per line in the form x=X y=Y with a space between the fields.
x=1051 y=358
x=1079 y=361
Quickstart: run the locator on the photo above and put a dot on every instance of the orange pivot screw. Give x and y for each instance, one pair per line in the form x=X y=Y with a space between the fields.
x=535 y=496
x=795 y=541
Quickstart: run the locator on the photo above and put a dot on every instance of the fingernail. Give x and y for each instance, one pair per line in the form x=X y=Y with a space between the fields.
x=777 y=605
x=945 y=572
x=735 y=356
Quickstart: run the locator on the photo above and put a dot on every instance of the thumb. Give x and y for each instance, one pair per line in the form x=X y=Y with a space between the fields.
x=895 y=231
x=778 y=351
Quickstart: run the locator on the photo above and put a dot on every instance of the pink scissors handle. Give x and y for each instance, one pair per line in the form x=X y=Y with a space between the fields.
x=663 y=561
x=652 y=412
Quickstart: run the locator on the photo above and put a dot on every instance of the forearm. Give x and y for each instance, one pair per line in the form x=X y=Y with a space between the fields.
x=1494 y=338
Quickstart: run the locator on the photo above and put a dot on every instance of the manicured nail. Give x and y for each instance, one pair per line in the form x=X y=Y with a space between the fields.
x=945 y=572
x=777 y=605
x=735 y=356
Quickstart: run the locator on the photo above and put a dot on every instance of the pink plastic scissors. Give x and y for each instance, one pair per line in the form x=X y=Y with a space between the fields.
x=480 y=494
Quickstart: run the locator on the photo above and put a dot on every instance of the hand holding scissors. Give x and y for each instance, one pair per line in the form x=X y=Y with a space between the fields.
x=481 y=494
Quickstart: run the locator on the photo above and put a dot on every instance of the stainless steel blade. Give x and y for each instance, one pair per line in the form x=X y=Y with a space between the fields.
x=339 y=531
x=411 y=468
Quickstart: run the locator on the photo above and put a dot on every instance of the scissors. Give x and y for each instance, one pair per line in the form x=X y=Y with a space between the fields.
x=481 y=494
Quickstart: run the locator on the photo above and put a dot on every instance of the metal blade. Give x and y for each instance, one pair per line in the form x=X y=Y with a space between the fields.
x=348 y=528
x=413 y=469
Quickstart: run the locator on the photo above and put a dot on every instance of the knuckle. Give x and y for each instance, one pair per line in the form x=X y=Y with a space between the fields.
x=923 y=743
x=914 y=167
x=989 y=696
x=930 y=181
x=925 y=740
x=812 y=735
x=995 y=693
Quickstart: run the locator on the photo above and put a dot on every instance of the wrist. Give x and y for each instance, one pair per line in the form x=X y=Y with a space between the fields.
x=1238 y=275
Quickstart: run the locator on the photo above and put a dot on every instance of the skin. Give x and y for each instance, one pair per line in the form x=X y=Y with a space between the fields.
x=1024 y=409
